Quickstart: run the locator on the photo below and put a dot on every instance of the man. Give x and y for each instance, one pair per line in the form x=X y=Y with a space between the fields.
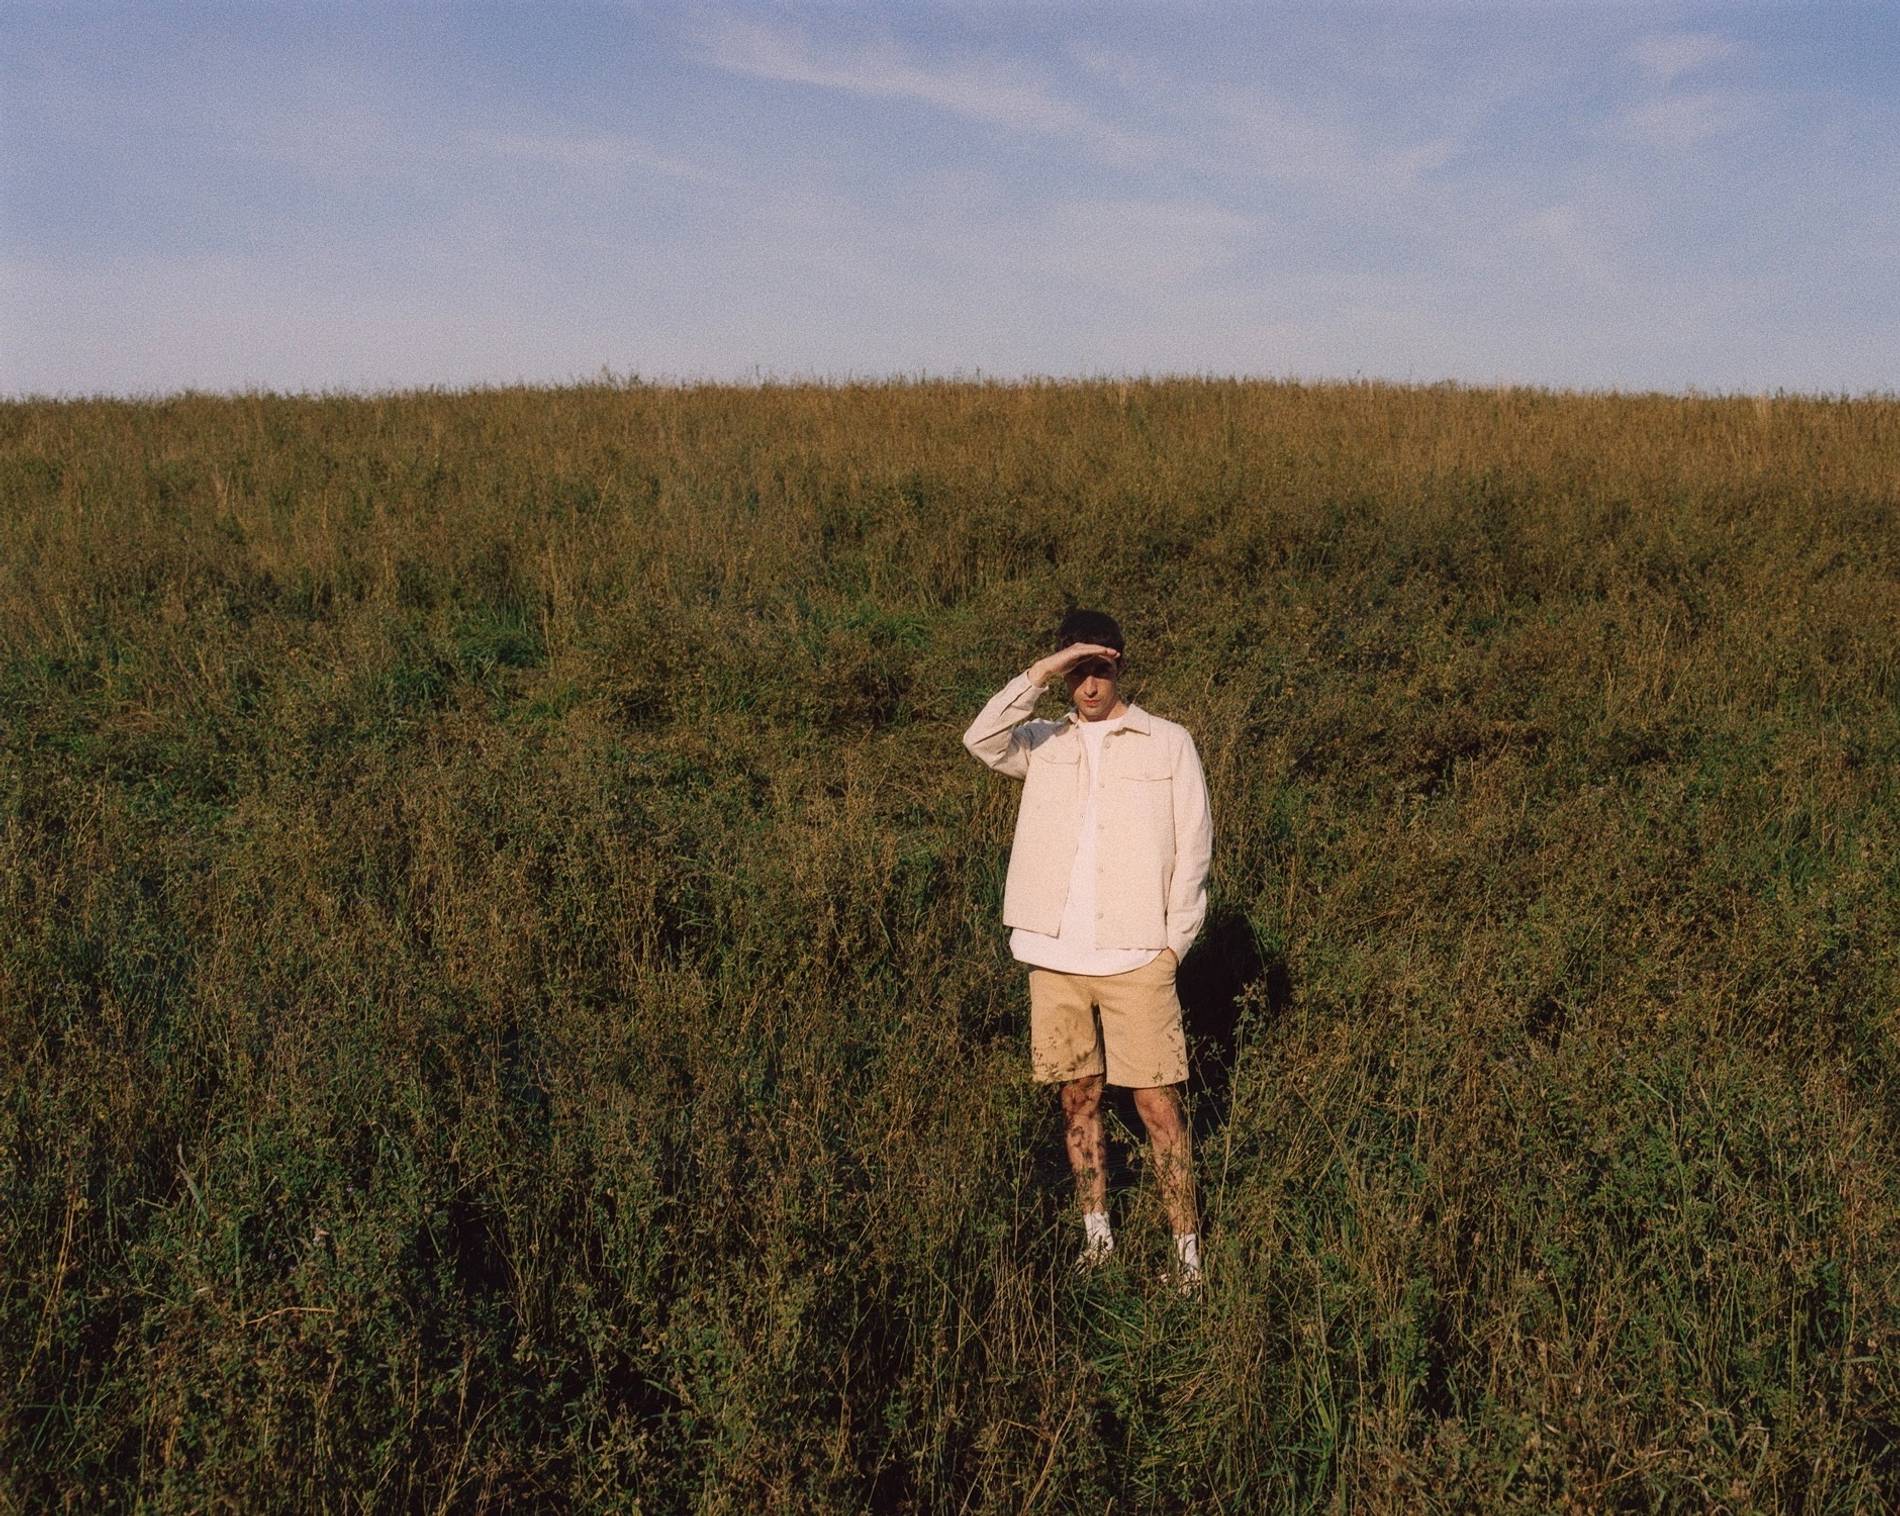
x=1106 y=889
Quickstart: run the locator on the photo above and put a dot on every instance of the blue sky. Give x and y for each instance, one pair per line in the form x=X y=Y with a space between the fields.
x=1637 y=196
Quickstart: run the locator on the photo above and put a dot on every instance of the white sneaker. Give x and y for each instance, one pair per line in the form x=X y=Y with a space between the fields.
x=1093 y=1256
x=1186 y=1280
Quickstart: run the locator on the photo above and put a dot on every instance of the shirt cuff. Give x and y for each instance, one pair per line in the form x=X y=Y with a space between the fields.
x=1023 y=692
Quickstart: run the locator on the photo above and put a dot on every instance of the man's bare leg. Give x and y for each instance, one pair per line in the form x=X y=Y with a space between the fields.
x=1172 y=1143
x=1088 y=1146
x=1088 y=1157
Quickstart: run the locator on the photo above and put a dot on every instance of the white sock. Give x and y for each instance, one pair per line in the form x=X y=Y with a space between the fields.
x=1187 y=1246
x=1095 y=1223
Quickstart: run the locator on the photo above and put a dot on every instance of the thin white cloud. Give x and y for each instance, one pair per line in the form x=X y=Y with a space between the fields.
x=1132 y=71
x=1228 y=128
x=590 y=152
x=1134 y=246
x=1679 y=122
x=1666 y=56
x=1283 y=142
x=1565 y=234
x=979 y=90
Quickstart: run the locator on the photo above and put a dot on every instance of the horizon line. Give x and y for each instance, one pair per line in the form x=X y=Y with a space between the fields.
x=761 y=381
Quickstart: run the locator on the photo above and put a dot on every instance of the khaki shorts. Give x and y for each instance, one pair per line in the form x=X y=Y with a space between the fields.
x=1137 y=1041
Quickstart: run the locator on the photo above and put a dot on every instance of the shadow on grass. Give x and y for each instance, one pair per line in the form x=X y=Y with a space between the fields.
x=1214 y=984
x=1222 y=967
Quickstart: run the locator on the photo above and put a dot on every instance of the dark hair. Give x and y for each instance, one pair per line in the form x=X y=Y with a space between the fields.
x=1089 y=626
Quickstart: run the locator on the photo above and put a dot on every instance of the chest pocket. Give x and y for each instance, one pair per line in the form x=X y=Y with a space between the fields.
x=1141 y=796
x=1138 y=763
x=1144 y=796
x=1049 y=784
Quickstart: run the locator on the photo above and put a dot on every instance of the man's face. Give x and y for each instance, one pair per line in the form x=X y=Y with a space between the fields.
x=1093 y=687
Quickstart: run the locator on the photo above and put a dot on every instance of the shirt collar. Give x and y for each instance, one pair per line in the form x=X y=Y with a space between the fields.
x=1134 y=719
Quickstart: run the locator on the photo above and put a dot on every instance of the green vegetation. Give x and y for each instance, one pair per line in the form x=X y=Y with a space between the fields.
x=502 y=998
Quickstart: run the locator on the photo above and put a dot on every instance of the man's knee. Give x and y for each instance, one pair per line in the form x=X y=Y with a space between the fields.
x=1081 y=1097
x=1160 y=1110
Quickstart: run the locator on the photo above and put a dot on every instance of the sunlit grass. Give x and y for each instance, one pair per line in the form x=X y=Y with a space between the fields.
x=504 y=1000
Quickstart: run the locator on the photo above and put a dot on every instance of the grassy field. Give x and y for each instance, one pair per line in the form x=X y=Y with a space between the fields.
x=502 y=998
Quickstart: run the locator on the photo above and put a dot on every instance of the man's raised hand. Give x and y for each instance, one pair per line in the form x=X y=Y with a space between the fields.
x=1045 y=669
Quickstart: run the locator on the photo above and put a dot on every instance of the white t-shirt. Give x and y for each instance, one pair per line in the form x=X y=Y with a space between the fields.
x=1072 y=950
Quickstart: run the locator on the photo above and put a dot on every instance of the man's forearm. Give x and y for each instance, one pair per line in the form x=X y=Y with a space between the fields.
x=991 y=737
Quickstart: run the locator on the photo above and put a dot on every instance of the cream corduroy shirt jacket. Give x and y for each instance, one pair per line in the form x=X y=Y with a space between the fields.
x=1155 y=839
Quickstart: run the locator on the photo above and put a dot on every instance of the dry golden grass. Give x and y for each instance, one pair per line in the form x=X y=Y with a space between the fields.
x=503 y=998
